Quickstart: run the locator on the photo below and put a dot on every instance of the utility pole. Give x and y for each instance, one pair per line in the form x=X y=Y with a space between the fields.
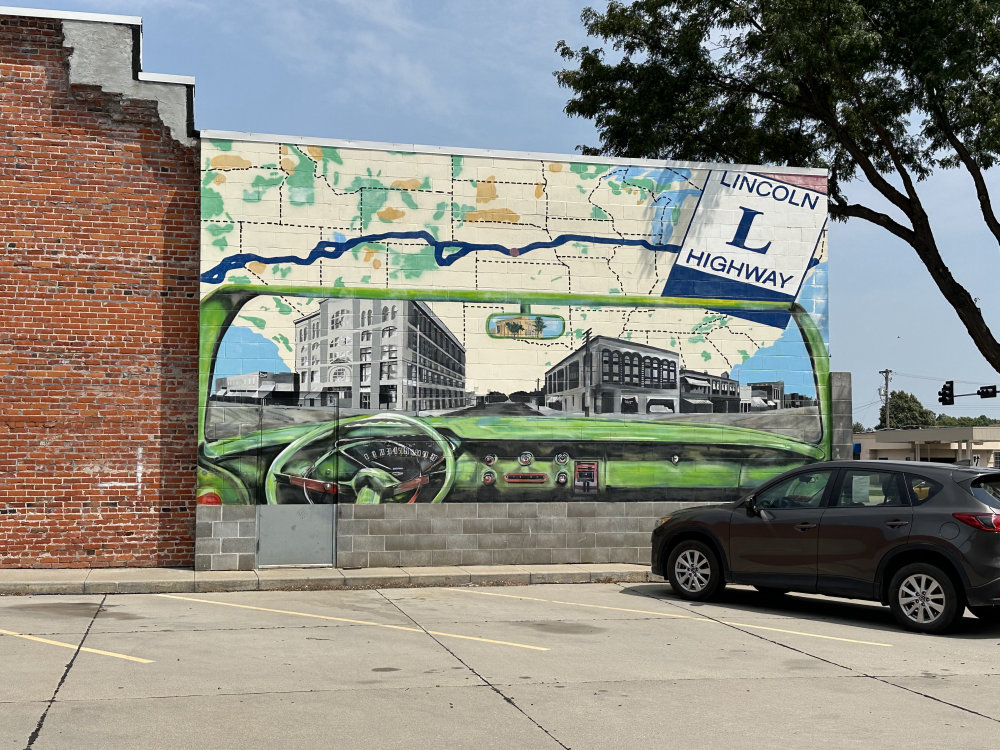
x=886 y=374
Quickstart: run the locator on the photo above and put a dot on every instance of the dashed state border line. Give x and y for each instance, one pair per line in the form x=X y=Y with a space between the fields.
x=334 y=249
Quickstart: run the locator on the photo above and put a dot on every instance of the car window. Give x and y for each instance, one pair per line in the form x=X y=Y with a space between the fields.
x=987 y=490
x=922 y=489
x=801 y=491
x=869 y=489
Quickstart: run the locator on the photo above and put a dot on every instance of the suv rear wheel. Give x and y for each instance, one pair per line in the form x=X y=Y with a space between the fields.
x=923 y=598
x=694 y=571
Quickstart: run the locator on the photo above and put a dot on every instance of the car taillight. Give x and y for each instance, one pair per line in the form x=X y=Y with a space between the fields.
x=984 y=521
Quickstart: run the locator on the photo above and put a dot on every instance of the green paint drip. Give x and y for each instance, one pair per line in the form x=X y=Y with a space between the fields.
x=261 y=185
x=212 y=204
x=331 y=155
x=458 y=212
x=283 y=307
x=411 y=265
x=301 y=182
x=372 y=200
x=219 y=232
x=589 y=171
x=256 y=322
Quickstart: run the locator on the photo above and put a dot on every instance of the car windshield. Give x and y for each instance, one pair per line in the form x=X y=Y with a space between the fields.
x=987 y=489
x=337 y=358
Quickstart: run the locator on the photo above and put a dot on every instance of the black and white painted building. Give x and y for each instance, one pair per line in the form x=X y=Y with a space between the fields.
x=379 y=354
x=613 y=376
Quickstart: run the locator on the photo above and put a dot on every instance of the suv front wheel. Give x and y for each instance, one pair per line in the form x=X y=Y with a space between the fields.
x=694 y=571
x=923 y=598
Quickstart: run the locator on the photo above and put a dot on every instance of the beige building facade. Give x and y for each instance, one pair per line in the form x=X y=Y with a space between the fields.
x=978 y=446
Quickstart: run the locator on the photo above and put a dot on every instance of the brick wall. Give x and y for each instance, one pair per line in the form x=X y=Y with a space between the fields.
x=98 y=318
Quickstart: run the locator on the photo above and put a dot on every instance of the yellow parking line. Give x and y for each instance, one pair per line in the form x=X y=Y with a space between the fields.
x=679 y=617
x=74 y=647
x=354 y=622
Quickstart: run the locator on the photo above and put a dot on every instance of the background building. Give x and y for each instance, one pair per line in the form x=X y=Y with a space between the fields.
x=702 y=392
x=378 y=354
x=979 y=446
x=612 y=376
x=259 y=387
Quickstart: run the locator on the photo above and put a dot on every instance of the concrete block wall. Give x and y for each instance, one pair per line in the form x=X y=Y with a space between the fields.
x=226 y=537
x=394 y=535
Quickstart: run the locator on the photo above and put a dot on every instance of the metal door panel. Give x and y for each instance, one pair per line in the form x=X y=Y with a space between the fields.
x=296 y=535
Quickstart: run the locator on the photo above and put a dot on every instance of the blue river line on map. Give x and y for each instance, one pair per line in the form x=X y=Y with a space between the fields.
x=333 y=249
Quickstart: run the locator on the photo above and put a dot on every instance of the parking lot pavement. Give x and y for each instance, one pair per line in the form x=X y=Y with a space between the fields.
x=534 y=666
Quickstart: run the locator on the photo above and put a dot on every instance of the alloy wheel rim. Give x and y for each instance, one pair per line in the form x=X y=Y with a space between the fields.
x=692 y=570
x=922 y=598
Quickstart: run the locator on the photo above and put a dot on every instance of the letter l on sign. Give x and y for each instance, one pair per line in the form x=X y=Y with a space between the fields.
x=740 y=238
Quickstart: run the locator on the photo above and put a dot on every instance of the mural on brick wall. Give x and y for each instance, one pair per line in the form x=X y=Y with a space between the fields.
x=383 y=326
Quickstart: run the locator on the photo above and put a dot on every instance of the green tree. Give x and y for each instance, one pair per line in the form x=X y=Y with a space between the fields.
x=946 y=420
x=905 y=410
x=858 y=427
x=881 y=90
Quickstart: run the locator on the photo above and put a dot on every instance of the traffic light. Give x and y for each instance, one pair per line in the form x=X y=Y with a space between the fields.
x=947 y=393
x=987 y=391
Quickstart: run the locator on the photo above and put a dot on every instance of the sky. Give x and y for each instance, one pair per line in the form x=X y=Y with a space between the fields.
x=479 y=74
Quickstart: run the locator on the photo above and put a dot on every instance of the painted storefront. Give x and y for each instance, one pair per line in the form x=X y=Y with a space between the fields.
x=382 y=325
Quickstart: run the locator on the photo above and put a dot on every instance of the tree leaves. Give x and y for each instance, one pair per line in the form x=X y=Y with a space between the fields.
x=887 y=91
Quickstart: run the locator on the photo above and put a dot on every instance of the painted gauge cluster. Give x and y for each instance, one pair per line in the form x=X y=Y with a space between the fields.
x=559 y=470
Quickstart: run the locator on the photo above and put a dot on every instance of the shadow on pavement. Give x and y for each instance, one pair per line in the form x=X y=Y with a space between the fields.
x=807 y=607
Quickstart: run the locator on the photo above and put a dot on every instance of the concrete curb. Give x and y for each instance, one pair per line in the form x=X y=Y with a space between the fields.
x=28 y=582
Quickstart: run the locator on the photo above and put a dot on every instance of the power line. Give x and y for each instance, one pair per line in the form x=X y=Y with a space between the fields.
x=935 y=378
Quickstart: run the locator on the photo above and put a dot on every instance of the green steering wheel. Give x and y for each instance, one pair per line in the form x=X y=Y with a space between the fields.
x=397 y=457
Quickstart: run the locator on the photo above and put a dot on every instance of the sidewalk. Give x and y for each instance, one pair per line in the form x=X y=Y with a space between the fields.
x=25 y=581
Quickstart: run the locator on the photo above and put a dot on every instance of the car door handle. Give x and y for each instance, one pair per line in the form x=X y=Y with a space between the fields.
x=805 y=526
x=896 y=524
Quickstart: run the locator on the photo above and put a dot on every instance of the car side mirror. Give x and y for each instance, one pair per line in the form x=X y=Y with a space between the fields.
x=751 y=506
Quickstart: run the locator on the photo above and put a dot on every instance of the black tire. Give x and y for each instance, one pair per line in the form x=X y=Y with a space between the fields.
x=694 y=571
x=923 y=598
x=986 y=612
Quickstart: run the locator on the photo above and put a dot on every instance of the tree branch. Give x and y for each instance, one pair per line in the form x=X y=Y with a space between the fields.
x=975 y=171
x=840 y=208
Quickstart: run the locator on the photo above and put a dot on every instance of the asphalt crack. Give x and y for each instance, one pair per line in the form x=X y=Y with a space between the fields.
x=69 y=665
x=506 y=698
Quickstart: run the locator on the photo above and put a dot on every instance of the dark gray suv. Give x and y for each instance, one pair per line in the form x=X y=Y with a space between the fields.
x=923 y=538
